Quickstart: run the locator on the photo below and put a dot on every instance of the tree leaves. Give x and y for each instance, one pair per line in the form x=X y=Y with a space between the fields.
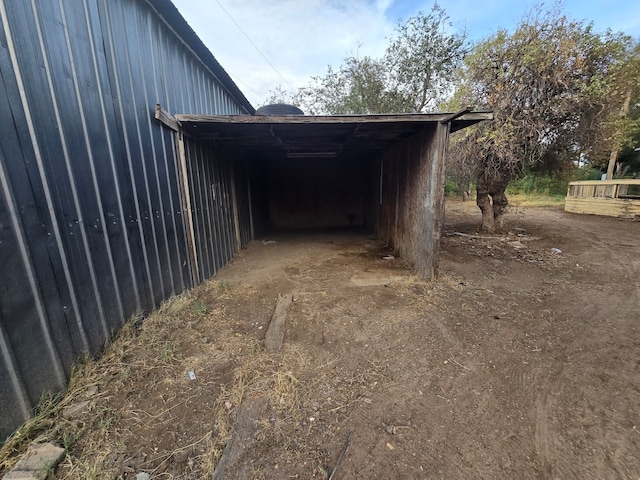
x=416 y=72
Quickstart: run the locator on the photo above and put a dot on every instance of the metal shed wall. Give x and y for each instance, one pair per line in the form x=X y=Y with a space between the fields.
x=91 y=215
x=219 y=203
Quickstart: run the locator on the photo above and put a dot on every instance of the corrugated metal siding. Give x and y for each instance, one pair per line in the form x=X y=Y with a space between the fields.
x=91 y=215
x=211 y=206
x=243 y=193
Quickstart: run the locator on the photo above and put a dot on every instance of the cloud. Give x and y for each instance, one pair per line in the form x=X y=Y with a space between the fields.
x=299 y=37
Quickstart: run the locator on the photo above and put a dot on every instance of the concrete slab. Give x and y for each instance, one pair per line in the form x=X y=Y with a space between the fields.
x=39 y=460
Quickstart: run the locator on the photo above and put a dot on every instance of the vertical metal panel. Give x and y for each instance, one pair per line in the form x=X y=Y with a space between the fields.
x=92 y=225
x=214 y=200
x=214 y=225
x=243 y=203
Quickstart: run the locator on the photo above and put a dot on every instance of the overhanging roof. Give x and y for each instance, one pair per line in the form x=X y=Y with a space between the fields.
x=317 y=136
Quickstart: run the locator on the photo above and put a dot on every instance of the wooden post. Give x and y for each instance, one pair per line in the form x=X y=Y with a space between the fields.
x=168 y=120
x=188 y=217
x=442 y=140
x=234 y=202
x=253 y=232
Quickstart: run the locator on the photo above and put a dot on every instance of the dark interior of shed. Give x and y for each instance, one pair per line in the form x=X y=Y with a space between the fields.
x=316 y=172
x=311 y=193
x=308 y=173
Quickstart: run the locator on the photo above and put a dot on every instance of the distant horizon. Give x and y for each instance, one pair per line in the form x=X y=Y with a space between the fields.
x=300 y=38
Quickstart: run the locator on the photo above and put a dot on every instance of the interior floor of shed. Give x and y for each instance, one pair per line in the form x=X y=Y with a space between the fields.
x=520 y=361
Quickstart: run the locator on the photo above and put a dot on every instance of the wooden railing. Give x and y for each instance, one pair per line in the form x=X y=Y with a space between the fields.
x=614 y=198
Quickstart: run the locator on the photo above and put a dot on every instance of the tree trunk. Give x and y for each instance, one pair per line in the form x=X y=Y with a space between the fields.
x=614 y=152
x=483 y=200
x=465 y=190
x=500 y=203
x=492 y=201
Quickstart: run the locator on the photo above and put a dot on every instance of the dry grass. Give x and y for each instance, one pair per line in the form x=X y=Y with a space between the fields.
x=533 y=200
x=138 y=391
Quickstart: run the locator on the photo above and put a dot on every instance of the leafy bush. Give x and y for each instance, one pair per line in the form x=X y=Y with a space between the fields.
x=586 y=173
x=451 y=188
x=539 y=185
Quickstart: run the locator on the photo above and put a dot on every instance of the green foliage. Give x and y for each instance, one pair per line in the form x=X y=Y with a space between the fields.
x=280 y=95
x=539 y=185
x=199 y=307
x=423 y=59
x=415 y=73
x=358 y=86
x=586 y=173
x=556 y=88
x=451 y=188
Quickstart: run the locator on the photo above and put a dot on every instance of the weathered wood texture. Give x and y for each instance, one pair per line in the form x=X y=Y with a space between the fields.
x=244 y=430
x=165 y=118
x=613 y=198
x=274 y=337
x=252 y=408
x=472 y=117
x=412 y=202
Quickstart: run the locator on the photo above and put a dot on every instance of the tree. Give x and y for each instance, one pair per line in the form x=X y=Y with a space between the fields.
x=548 y=83
x=623 y=123
x=423 y=58
x=415 y=72
x=281 y=95
x=359 y=86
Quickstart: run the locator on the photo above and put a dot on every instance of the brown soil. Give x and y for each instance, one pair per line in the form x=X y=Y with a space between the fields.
x=519 y=362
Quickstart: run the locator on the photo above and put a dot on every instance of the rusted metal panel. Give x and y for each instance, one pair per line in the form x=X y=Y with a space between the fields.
x=92 y=220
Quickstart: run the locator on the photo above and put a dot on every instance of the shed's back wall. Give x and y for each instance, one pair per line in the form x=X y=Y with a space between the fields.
x=91 y=216
x=316 y=193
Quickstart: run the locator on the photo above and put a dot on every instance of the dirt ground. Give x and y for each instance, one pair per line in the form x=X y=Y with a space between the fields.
x=521 y=361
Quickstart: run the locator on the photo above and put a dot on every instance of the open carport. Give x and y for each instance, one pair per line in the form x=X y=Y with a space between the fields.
x=380 y=173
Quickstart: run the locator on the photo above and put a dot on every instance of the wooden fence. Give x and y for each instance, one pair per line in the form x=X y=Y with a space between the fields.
x=613 y=198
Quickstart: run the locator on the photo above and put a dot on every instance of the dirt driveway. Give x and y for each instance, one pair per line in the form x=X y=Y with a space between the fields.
x=522 y=361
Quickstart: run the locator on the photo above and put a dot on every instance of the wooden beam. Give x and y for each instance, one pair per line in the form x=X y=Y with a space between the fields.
x=236 y=216
x=458 y=114
x=165 y=118
x=186 y=201
x=253 y=231
x=329 y=119
x=274 y=337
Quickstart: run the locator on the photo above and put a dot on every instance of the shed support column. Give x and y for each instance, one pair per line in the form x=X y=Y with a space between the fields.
x=438 y=171
x=253 y=231
x=188 y=217
x=429 y=202
x=168 y=120
x=236 y=216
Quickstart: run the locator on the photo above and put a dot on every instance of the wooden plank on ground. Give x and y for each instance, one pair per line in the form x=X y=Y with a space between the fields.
x=275 y=333
x=244 y=431
x=252 y=408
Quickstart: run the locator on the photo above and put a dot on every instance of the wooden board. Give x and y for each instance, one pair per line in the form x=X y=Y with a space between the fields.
x=612 y=207
x=275 y=333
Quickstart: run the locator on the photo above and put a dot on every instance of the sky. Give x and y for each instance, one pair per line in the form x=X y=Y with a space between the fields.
x=264 y=44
